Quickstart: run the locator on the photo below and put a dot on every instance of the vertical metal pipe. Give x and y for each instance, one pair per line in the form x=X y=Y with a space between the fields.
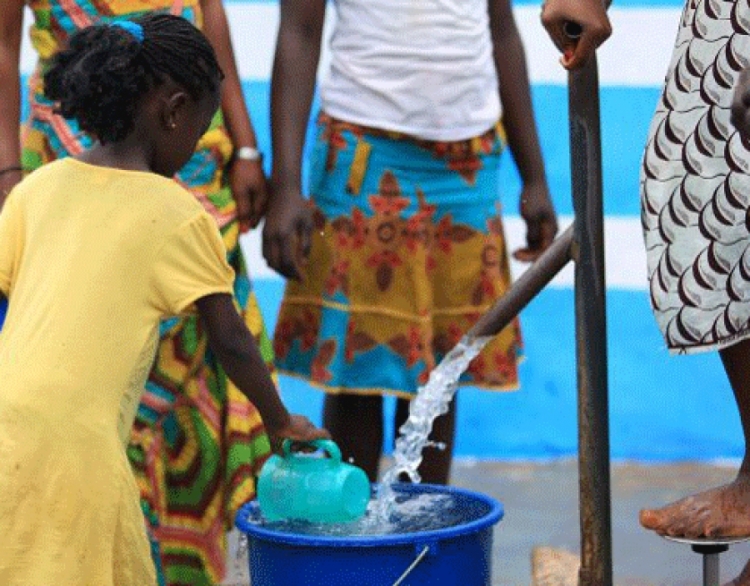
x=591 y=329
x=711 y=569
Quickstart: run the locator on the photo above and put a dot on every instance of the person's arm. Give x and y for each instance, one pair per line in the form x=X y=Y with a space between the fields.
x=237 y=352
x=741 y=104
x=246 y=177
x=518 y=120
x=286 y=234
x=577 y=27
x=11 y=24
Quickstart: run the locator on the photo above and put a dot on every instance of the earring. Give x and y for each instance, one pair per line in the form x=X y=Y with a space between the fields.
x=173 y=125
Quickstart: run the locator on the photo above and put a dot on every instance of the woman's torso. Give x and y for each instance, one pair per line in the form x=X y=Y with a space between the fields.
x=423 y=68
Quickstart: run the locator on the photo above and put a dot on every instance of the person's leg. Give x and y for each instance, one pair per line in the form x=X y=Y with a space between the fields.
x=356 y=425
x=743 y=579
x=722 y=511
x=436 y=463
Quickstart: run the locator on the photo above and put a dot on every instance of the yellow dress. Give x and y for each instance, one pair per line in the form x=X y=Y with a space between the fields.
x=91 y=259
x=197 y=442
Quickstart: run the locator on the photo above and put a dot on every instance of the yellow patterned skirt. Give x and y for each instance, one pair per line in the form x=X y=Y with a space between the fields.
x=408 y=251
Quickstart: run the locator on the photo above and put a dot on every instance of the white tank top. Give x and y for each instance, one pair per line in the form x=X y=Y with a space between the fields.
x=421 y=67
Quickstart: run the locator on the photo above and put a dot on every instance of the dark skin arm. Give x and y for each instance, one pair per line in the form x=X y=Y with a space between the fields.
x=246 y=177
x=286 y=234
x=518 y=118
x=741 y=104
x=235 y=348
x=11 y=24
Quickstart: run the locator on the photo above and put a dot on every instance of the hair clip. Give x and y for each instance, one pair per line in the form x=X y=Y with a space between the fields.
x=133 y=28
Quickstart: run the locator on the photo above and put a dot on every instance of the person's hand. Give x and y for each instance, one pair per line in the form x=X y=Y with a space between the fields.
x=248 y=184
x=741 y=104
x=577 y=27
x=299 y=429
x=8 y=181
x=541 y=222
x=287 y=234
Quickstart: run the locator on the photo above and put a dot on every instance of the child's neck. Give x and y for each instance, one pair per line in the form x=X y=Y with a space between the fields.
x=118 y=155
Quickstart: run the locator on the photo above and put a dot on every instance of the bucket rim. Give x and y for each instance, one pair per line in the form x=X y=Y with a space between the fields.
x=493 y=515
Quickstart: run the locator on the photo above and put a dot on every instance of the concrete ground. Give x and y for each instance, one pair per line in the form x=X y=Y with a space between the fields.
x=541 y=509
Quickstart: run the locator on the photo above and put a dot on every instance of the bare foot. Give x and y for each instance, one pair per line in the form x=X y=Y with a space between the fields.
x=719 y=512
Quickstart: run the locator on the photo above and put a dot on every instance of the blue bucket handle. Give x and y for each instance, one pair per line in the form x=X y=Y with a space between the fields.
x=325 y=445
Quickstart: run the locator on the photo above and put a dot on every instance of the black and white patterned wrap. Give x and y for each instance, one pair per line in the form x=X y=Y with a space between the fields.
x=695 y=185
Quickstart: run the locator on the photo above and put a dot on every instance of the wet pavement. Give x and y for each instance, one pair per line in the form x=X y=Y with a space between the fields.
x=541 y=509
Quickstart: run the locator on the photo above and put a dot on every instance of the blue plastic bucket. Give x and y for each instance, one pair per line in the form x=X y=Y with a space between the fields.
x=457 y=555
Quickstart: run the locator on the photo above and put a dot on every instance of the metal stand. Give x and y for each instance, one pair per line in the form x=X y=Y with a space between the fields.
x=710 y=549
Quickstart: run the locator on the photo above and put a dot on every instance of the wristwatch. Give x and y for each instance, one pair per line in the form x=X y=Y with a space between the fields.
x=247 y=153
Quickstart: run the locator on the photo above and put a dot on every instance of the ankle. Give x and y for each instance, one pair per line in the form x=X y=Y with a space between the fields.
x=743 y=474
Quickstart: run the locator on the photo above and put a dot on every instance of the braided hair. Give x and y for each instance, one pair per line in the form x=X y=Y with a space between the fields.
x=103 y=74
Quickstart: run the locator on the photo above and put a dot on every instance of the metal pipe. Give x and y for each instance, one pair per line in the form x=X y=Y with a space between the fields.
x=711 y=575
x=591 y=329
x=526 y=287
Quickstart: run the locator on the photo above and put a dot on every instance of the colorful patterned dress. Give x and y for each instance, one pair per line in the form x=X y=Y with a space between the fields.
x=197 y=442
x=408 y=251
x=695 y=185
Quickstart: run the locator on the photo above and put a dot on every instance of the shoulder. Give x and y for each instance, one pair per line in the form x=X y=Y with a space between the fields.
x=173 y=199
x=159 y=201
x=42 y=175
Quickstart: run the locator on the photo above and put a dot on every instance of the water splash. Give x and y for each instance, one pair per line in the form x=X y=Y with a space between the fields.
x=431 y=400
x=412 y=513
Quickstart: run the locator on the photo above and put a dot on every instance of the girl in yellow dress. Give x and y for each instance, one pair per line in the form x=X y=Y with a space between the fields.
x=197 y=443
x=125 y=246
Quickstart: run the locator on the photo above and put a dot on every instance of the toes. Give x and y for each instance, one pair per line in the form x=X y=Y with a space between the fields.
x=650 y=519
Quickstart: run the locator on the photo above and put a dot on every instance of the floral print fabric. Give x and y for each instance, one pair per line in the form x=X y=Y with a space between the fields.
x=408 y=251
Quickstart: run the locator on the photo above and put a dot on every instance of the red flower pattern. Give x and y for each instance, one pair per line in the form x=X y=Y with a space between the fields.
x=388 y=235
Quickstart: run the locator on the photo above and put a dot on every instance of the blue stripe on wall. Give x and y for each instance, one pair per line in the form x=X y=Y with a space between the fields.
x=661 y=407
x=625 y=113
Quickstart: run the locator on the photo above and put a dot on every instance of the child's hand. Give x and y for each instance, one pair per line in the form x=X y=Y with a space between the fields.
x=541 y=223
x=300 y=429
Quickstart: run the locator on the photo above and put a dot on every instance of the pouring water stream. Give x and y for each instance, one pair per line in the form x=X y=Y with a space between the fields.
x=384 y=514
x=431 y=400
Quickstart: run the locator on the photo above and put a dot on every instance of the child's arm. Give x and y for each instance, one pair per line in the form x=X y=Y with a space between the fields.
x=518 y=119
x=246 y=177
x=11 y=25
x=237 y=352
